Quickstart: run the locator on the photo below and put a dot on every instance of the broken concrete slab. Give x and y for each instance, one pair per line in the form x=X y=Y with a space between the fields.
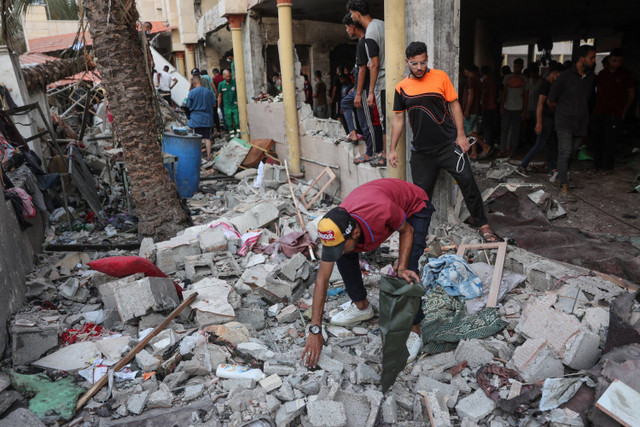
x=365 y=374
x=161 y=398
x=32 y=336
x=21 y=417
x=437 y=408
x=257 y=350
x=535 y=360
x=476 y=406
x=71 y=358
x=147 y=249
x=288 y=314
x=582 y=351
x=161 y=342
x=213 y=297
x=231 y=156
x=428 y=384
x=142 y=296
x=73 y=290
x=171 y=253
x=289 y=412
x=233 y=332
x=540 y=320
x=252 y=316
x=112 y=348
x=147 y=361
x=326 y=413
x=259 y=216
x=473 y=352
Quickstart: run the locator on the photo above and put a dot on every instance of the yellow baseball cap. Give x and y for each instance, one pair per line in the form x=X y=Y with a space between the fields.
x=332 y=229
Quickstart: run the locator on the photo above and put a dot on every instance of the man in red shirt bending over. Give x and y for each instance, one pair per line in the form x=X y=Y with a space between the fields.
x=362 y=222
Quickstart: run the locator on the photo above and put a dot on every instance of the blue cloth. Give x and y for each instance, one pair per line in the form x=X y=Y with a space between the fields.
x=201 y=102
x=453 y=274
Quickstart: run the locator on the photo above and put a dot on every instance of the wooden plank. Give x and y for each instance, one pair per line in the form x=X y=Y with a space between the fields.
x=496 y=278
x=142 y=344
x=622 y=403
x=497 y=275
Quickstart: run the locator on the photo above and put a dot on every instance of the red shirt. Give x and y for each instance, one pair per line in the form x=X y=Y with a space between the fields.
x=217 y=79
x=472 y=83
x=488 y=93
x=381 y=207
x=612 y=91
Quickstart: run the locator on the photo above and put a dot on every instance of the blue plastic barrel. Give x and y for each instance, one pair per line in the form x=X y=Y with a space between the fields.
x=187 y=148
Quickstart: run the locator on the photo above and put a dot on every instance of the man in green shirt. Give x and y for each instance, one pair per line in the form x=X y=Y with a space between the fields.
x=228 y=97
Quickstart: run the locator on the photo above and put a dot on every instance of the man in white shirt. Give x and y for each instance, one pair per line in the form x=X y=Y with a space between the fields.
x=164 y=83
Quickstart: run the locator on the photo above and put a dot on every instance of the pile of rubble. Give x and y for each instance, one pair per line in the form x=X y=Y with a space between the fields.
x=234 y=355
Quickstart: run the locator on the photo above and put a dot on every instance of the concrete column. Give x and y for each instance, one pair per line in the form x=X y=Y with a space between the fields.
x=235 y=22
x=285 y=29
x=190 y=57
x=180 y=63
x=531 y=54
x=252 y=42
x=394 y=46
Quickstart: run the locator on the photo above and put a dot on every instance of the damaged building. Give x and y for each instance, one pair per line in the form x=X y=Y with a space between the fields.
x=196 y=311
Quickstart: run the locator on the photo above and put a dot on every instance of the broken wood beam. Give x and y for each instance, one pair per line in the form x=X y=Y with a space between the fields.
x=496 y=278
x=142 y=344
x=295 y=203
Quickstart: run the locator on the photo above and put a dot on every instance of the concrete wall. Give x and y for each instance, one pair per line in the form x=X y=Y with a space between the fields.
x=15 y=263
x=37 y=25
x=266 y=121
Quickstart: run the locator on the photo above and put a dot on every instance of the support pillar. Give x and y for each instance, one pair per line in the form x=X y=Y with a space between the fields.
x=235 y=22
x=180 y=63
x=285 y=28
x=190 y=58
x=394 y=46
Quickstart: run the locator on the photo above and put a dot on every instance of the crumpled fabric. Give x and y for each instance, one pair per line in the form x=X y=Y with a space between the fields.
x=446 y=322
x=289 y=244
x=399 y=302
x=24 y=178
x=28 y=209
x=557 y=391
x=453 y=274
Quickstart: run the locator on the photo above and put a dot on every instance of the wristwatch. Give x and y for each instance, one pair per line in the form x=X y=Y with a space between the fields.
x=315 y=329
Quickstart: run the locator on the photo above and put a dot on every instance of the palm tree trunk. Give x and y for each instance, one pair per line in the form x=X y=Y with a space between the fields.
x=52 y=71
x=118 y=53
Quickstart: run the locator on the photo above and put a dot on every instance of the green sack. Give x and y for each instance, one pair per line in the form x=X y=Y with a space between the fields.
x=399 y=303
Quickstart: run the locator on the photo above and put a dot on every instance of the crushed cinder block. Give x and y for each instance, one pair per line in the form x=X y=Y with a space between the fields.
x=148 y=249
x=138 y=298
x=535 y=360
x=540 y=320
x=357 y=407
x=273 y=176
x=271 y=383
x=438 y=408
x=473 y=352
x=161 y=342
x=257 y=350
x=213 y=240
x=365 y=374
x=326 y=413
x=259 y=216
x=147 y=361
x=289 y=268
x=253 y=316
x=137 y=402
x=582 y=351
x=73 y=290
x=476 y=406
x=390 y=410
x=597 y=320
x=288 y=314
x=289 y=412
x=170 y=254
x=285 y=393
x=231 y=384
x=198 y=267
x=428 y=384
x=161 y=398
x=32 y=335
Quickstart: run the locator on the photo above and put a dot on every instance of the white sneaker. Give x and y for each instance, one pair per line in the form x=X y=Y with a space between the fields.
x=414 y=345
x=352 y=315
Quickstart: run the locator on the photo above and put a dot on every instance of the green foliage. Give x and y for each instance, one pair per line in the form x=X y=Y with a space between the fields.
x=62 y=9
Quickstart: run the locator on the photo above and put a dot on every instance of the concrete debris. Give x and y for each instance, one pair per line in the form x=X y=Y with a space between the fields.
x=476 y=406
x=231 y=156
x=254 y=311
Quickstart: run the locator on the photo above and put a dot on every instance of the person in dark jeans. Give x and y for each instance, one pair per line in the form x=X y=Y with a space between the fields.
x=616 y=90
x=439 y=141
x=544 y=123
x=363 y=221
x=569 y=96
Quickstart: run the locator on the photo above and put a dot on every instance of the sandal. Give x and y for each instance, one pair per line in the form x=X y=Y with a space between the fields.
x=488 y=235
x=361 y=159
x=378 y=161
